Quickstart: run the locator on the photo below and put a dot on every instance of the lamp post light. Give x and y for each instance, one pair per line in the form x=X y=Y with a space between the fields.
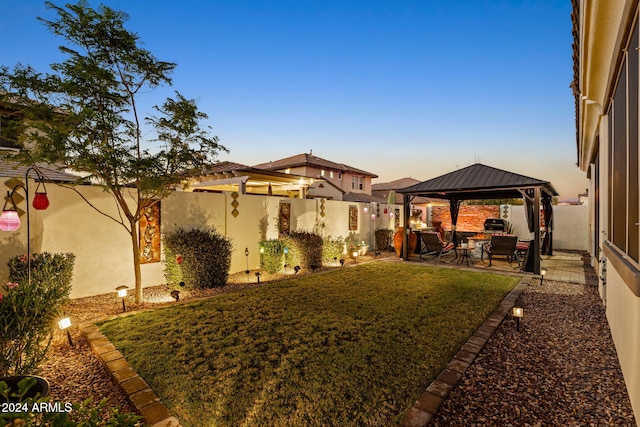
x=518 y=313
x=64 y=324
x=122 y=293
x=543 y=272
x=10 y=220
x=286 y=252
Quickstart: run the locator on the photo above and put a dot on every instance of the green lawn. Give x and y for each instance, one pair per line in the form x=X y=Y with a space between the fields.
x=354 y=346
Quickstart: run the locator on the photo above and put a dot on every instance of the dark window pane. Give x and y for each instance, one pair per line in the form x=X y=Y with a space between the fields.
x=632 y=229
x=619 y=171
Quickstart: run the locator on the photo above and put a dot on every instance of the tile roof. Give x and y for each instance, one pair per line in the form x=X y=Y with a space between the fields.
x=394 y=185
x=308 y=159
x=51 y=173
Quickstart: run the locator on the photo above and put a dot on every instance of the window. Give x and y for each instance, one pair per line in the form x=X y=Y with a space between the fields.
x=624 y=200
x=330 y=174
x=322 y=172
x=357 y=183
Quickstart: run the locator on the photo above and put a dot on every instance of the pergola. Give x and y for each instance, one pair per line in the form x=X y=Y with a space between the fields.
x=479 y=181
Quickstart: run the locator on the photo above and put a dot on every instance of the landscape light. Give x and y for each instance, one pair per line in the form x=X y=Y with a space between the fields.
x=175 y=294
x=355 y=255
x=543 y=272
x=518 y=313
x=65 y=324
x=122 y=293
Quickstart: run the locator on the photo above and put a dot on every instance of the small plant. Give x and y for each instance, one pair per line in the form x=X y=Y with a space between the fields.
x=272 y=255
x=200 y=258
x=29 y=309
x=332 y=249
x=68 y=415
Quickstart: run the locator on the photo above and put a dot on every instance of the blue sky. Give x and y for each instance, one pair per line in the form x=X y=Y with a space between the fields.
x=397 y=88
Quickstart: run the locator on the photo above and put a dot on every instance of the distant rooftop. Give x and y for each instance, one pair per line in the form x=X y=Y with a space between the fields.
x=308 y=159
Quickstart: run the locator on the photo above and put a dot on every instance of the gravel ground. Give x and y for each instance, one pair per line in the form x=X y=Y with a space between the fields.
x=560 y=369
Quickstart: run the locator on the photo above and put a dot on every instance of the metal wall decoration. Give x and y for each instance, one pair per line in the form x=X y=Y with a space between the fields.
x=397 y=218
x=284 y=219
x=235 y=212
x=149 y=231
x=353 y=218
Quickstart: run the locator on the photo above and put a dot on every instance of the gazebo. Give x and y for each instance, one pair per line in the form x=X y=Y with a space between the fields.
x=479 y=181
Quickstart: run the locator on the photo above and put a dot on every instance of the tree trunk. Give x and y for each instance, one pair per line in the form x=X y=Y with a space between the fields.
x=135 y=244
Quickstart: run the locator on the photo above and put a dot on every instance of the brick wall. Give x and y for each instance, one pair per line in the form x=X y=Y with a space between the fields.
x=470 y=218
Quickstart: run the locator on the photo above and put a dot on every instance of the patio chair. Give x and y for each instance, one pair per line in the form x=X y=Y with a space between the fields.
x=434 y=245
x=501 y=246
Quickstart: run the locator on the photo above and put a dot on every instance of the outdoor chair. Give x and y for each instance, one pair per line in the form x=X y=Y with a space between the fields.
x=434 y=245
x=501 y=246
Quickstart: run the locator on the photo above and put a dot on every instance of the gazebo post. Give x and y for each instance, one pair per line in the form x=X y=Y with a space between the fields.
x=405 y=223
x=536 y=230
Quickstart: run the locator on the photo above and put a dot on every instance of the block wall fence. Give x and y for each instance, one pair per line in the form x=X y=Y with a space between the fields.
x=103 y=249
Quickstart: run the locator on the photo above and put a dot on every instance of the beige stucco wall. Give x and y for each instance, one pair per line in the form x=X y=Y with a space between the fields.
x=103 y=248
x=623 y=314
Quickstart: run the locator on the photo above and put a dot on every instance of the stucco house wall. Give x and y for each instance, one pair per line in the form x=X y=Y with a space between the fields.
x=605 y=84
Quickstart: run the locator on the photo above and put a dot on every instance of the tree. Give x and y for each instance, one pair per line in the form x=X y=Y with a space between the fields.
x=84 y=114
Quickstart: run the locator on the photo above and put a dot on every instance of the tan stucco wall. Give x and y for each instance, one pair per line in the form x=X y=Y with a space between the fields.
x=103 y=248
x=623 y=314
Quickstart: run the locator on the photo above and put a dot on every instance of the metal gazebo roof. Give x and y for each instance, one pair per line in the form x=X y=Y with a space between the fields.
x=478 y=181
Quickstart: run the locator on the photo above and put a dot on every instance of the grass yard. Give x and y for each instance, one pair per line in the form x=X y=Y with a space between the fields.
x=351 y=347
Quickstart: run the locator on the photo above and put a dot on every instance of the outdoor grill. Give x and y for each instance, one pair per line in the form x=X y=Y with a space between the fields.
x=495 y=224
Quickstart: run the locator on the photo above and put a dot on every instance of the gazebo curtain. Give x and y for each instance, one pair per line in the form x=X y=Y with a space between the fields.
x=454 y=209
x=547 y=208
x=528 y=209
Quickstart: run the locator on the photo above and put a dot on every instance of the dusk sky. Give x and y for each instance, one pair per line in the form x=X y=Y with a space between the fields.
x=398 y=88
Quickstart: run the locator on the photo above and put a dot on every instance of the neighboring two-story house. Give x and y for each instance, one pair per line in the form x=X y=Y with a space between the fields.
x=353 y=183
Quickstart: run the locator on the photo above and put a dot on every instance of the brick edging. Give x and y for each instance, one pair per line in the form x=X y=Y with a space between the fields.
x=424 y=409
x=140 y=395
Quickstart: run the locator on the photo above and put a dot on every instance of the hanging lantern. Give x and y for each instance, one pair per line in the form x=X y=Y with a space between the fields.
x=365 y=209
x=40 y=201
x=373 y=217
x=9 y=220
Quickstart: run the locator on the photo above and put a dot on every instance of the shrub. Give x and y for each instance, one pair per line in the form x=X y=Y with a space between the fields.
x=305 y=249
x=332 y=248
x=272 y=256
x=29 y=309
x=384 y=239
x=200 y=258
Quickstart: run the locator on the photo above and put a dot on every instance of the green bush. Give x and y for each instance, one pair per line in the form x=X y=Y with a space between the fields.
x=28 y=309
x=272 y=256
x=332 y=248
x=305 y=249
x=200 y=258
x=78 y=415
x=384 y=239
